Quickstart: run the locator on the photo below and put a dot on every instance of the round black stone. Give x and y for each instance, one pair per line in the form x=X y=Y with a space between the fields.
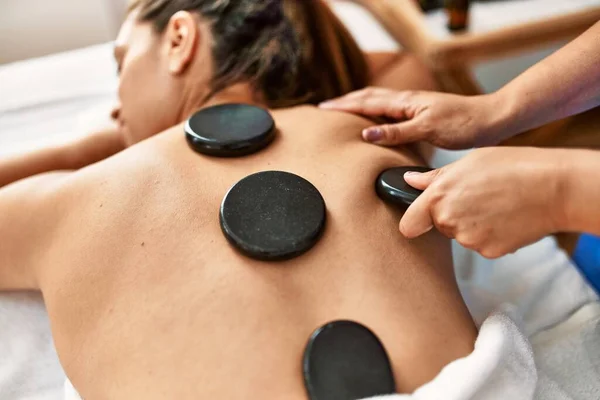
x=273 y=215
x=392 y=188
x=346 y=361
x=230 y=130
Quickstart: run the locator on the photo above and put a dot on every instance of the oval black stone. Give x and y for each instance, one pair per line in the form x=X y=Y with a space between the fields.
x=345 y=361
x=392 y=188
x=273 y=215
x=230 y=130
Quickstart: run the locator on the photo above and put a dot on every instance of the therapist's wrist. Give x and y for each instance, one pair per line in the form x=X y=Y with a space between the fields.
x=502 y=118
x=580 y=190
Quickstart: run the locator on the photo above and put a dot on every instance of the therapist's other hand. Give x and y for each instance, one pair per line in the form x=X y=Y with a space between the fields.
x=444 y=120
x=493 y=201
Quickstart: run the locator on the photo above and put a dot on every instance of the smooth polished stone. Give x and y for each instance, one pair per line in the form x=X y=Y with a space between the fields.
x=273 y=215
x=230 y=130
x=392 y=188
x=344 y=360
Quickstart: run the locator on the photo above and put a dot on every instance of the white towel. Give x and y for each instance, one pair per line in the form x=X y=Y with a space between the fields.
x=568 y=357
x=29 y=367
x=540 y=280
x=501 y=367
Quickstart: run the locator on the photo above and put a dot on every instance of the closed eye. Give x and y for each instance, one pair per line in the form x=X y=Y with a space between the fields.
x=119 y=53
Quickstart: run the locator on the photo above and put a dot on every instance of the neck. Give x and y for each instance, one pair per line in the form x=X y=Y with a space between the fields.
x=238 y=93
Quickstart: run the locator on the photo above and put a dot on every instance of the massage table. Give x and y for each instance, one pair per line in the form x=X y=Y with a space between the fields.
x=55 y=98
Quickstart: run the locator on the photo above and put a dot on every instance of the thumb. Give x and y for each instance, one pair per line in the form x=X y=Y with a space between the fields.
x=421 y=180
x=394 y=134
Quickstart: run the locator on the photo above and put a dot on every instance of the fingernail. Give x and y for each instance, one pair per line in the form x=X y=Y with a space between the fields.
x=427 y=230
x=414 y=235
x=325 y=104
x=412 y=173
x=373 y=134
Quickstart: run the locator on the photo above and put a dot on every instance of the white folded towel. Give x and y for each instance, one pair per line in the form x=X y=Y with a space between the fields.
x=501 y=367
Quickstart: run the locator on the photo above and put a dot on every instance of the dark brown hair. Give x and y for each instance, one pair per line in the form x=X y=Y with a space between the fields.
x=291 y=51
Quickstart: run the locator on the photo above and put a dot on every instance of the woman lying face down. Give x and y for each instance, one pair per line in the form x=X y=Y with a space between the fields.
x=328 y=64
x=147 y=297
x=244 y=49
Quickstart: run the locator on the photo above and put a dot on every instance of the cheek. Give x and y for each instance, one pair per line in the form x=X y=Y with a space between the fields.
x=142 y=91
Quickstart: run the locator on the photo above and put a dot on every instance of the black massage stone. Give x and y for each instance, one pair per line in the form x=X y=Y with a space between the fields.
x=230 y=130
x=346 y=361
x=273 y=215
x=392 y=188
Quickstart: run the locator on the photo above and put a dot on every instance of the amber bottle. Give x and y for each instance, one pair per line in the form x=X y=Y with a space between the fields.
x=458 y=14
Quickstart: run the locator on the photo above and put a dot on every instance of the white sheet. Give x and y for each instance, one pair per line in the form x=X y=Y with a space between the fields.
x=50 y=99
x=43 y=101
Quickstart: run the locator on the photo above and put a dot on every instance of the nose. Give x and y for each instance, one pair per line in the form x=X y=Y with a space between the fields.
x=115 y=114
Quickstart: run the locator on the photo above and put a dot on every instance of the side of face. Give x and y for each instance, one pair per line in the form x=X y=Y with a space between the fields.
x=152 y=74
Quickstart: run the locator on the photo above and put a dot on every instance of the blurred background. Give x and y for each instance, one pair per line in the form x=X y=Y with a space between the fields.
x=32 y=28
x=35 y=28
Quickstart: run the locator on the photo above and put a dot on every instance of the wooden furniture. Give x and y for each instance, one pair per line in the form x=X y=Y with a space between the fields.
x=452 y=58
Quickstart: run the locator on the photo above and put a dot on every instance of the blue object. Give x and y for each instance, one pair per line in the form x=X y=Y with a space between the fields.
x=587 y=258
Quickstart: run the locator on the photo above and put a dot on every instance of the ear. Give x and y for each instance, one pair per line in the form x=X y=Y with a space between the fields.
x=182 y=36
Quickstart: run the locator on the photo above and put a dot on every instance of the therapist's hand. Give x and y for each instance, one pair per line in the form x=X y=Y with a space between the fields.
x=493 y=201
x=444 y=120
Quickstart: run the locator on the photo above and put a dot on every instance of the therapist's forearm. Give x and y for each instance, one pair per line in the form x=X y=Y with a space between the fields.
x=564 y=84
x=581 y=191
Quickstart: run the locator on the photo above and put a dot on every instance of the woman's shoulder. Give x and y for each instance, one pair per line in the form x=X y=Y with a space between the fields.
x=310 y=113
x=308 y=122
x=136 y=163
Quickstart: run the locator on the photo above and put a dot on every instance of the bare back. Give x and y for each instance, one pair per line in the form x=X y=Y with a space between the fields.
x=148 y=300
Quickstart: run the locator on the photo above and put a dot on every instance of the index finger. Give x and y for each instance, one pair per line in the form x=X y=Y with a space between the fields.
x=365 y=92
x=373 y=102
